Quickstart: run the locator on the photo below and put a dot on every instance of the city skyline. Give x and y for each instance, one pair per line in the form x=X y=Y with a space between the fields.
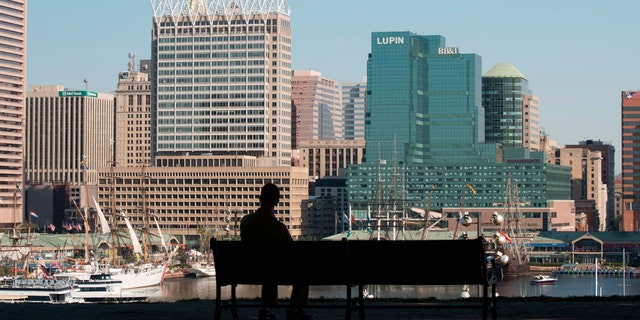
x=551 y=43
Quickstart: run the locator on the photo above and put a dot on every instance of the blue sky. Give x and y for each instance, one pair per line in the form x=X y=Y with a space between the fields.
x=577 y=55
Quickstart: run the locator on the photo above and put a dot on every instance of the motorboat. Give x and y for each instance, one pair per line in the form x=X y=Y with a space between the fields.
x=101 y=287
x=36 y=290
x=543 y=279
x=198 y=270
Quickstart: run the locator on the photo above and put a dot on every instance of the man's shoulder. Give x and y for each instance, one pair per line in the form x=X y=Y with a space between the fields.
x=248 y=216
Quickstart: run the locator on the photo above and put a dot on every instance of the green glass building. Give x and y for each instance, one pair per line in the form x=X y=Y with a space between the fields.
x=425 y=134
x=424 y=101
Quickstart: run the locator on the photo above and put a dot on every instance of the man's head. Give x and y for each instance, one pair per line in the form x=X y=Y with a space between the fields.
x=269 y=195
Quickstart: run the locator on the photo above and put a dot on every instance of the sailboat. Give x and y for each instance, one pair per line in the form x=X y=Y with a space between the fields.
x=139 y=274
x=142 y=273
x=517 y=236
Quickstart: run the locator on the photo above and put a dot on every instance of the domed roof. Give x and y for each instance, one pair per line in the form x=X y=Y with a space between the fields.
x=504 y=70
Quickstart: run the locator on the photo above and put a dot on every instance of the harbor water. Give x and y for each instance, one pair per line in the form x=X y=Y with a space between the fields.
x=566 y=286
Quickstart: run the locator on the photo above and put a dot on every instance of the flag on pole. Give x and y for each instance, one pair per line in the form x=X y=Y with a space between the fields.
x=42 y=265
x=33 y=214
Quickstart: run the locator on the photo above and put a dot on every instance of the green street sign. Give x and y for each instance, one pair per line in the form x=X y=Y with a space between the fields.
x=78 y=93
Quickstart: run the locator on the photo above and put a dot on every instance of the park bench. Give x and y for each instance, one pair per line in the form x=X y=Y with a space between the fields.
x=356 y=264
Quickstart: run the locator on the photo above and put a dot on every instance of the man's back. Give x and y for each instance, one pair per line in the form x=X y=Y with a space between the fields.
x=263 y=226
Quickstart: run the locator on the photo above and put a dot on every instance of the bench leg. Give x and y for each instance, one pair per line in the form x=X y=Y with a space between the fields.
x=234 y=304
x=361 y=301
x=348 y=308
x=218 y=312
x=494 y=302
x=485 y=302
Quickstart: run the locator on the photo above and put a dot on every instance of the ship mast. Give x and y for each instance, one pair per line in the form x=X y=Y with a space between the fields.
x=145 y=215
x=112 y=194
x=15 y=237
x=84 y=166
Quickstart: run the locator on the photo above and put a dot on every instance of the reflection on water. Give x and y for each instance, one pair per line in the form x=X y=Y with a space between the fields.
x=566 y=286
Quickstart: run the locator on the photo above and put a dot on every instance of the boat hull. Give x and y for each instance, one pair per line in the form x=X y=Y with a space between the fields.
x=144 y=276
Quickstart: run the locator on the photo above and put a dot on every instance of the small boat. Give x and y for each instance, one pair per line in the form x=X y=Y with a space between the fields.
x=201 y=270
x=36 y=290
x=100 y=287
x=543 y=279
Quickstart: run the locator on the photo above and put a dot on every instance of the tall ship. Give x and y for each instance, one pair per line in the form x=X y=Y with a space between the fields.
x=518 y=237
x=142 y=270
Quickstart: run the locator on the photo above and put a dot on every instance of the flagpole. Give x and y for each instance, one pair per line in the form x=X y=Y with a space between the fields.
x=29 y=229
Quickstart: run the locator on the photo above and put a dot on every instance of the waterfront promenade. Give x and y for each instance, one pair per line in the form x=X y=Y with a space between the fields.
x=508 y=308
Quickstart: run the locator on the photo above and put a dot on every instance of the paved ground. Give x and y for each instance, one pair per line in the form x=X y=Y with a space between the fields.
x=508 y=308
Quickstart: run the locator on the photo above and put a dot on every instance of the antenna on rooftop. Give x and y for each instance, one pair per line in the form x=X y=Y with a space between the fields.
x=132 y=63
x=86 y=84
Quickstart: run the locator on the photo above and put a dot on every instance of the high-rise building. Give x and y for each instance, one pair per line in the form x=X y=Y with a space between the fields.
x=68 y=134
x=354 y=104
x=13 y=37
x=329 y=157
x=67 y=138
x=630 y=106
x=425 y=135
x=317 y=110
x=133 y=117
x=220 y=78
x=512 y=113
x=587 y=181
x=221 y=81
x=423 y=101
x=607 y=171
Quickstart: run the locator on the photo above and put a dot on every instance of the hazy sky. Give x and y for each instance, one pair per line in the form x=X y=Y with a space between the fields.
x=578 y=55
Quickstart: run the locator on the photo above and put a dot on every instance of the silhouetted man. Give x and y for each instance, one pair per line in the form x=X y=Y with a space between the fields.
x=262 y=225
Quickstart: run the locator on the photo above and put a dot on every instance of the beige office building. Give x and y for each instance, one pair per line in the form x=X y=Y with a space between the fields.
x=221 y=79
x=191 y=194
x=317 y=108
x=586 y=181
x=328 y=157
x=133 y=117
x=68 y=136
x=13 y=46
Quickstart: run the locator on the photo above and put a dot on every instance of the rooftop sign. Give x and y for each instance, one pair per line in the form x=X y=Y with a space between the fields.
x=448 y=50
x=78 y=93
x=389 y=40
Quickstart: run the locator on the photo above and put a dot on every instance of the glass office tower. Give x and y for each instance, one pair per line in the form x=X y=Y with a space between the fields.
x=425 y=131
x=512 y=113
x=424 y=100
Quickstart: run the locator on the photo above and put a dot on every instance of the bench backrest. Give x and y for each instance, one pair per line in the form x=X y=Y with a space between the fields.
x=308 y=262
x=431 y=262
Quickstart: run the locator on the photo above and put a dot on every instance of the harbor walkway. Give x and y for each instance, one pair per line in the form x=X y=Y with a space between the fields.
x=508 y=308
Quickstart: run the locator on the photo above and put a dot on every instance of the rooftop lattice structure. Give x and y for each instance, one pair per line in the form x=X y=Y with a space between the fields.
x=193 y=8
